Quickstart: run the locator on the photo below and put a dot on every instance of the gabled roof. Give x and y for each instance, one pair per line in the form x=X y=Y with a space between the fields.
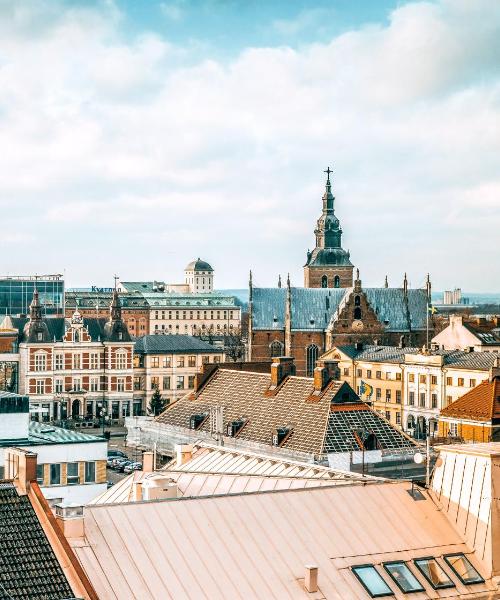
x=372 y=353
x=28 y=565
x=480 y=404
x=172 y=344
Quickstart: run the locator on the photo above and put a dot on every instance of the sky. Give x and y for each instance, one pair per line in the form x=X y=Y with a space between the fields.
x=138 y=135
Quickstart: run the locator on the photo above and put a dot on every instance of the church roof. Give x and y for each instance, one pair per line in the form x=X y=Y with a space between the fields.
x=320 y=257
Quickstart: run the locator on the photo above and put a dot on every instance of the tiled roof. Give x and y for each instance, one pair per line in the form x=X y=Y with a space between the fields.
x=480 y=404
x=313 y=308
x=392 y=354
x=172 y=344
x=28 y=566
x=243 y=395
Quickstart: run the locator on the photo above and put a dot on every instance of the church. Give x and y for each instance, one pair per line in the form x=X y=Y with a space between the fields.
x=333 y=307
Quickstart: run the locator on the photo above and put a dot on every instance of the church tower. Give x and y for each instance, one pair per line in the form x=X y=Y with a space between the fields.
x=328 y=265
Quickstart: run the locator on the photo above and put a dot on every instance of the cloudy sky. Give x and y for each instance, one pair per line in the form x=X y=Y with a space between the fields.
x=135 y=136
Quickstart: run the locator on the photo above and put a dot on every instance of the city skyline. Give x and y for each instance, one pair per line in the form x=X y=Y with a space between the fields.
x=136 y=138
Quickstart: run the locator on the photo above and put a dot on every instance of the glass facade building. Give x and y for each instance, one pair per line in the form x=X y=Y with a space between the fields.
x=16 y=293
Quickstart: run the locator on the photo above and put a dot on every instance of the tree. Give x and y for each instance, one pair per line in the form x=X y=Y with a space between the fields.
x=157 y=404
x=234 y=345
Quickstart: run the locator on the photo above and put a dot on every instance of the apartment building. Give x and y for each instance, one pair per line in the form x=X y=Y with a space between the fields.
x=169 y=363
x=407 y=385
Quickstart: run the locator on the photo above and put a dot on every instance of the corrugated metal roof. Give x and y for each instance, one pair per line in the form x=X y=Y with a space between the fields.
x=257 y=545
x=172 y=344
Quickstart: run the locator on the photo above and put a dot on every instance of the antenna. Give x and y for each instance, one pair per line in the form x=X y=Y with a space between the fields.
x=217 y=423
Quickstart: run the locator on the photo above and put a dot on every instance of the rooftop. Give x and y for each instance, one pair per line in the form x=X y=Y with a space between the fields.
x=482 y=403
x=41 y=434
x=172 y=344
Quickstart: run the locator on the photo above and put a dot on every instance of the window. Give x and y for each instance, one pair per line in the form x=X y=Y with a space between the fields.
x=40 y=474
x=422 y=378
x=217 y=359
x=453 y=429
x=155 y=383
x=403 y=577
x=120 y=384
x=472 y=383
x=372 y=581
x=411 y=377
x=461 y=381
x=346 y=371
x=449 y=381
x=94 y=384
x=324 y=281
x=276 y=348
x=77 y=384
x=94 y=360
x=205 y=360
x=167 y=362
x=77 y=361
x=40 y=386
x=40 y=361
x=357 y=313
x=359 y=372
x=388 y=375
x=434 y=379
x=180 y=382
x=378 y=374
x=388 y=415
x=430 y=569
x=449 y=400
x=166 y=383
x=155 y=362
x=312 y=352
x=398 y=396
x=191 y=382
x=369 y=374
x=398 y=376
x=90 y=472
x=58 y=386
x=463 y=569
x=55 y=474
x=59 y=362
x=378 y=393
x=387 y=395
x=191 y=361
x=180 y=361
x=398 y=418
x=336 y=281
x=72 y=477
x=411 y=398
x=121 y=360
x=137 y=383
x=421 y=400
x=434 y=400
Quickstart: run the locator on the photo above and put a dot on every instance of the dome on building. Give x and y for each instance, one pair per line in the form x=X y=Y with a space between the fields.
x=198 y=265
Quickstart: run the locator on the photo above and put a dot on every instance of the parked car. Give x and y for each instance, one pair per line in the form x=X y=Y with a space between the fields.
x=121 y=466
x=135 y=466
x=117 y=462
x=116 y=454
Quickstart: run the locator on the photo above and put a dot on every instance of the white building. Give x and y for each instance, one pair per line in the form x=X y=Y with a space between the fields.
x=71 y=466
x=199 y=276
x=465 y=336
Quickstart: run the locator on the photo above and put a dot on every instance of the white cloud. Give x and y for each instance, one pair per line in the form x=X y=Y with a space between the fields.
x=145 y=154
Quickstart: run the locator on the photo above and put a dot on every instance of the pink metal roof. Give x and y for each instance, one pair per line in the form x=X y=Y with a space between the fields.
x=257 y=545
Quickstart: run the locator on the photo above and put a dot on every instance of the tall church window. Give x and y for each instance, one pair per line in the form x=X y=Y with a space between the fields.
x=324 y=281
x=357 y=313
x=276 y=348
x=312 y=352
x=357 y=301
x=336 y=281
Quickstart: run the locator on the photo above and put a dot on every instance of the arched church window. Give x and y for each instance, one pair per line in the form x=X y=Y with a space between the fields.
x=324 y=281
x=357 y=301
x=312 y=352
x=357 y=313
x=277 y=348
x=336 y=281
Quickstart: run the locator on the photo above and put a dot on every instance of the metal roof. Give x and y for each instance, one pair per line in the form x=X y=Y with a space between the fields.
x=172 y=344
x=41 y=434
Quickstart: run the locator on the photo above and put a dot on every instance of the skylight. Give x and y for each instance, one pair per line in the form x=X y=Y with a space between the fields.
x=372 y=581
x=431 y=570
x=403 y=577
x=463 y=569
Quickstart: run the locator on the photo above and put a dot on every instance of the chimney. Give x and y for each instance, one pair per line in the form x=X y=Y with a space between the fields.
x=311 y=578
x=148 y=462
x=282 y=367
x=138 y=491
x=321 y=379
x=184 y=453
x=20 y=466
x=70 y=520
x=495 y=369
x=456 y=321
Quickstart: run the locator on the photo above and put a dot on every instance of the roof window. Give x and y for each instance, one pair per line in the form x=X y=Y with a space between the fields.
x=196 y=421
x=233 y=428
x=372 y=581
x=403 y=577
x=432 y=571
x=280 y=435
x=463 y=568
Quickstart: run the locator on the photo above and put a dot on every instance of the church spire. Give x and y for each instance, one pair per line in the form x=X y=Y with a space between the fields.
x=35 y=307
x=115 y=309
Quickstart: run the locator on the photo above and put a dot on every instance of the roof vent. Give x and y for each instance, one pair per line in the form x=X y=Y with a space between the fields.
x=233 y=428
x=280 y=435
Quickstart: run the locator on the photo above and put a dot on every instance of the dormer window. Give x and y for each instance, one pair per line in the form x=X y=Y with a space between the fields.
x=280 y=435
x=233 y=428
x=196 y=421
x=39 y=336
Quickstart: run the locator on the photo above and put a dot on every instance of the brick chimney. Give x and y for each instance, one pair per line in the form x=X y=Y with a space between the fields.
x=70 y=520
x=147 y=462
x=281 y=367
x=184 y=453
x=321 y=379
x=20 y=466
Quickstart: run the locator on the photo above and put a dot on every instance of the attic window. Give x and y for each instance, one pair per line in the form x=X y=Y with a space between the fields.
x=403 y=577
x=39 y=336
x=234 y=427
x=280 y=435
x=372 y=581
x=196 y=421
x=432 y=571
x=463 y=569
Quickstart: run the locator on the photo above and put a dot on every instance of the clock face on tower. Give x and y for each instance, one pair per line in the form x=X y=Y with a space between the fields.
x=357 y=325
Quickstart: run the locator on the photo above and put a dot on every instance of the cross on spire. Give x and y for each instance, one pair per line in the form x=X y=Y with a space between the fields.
x=328 y=171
